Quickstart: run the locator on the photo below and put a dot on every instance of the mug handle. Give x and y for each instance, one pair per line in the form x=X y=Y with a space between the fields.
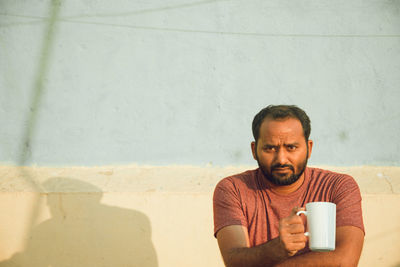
x=301 y=212
x=305 y=213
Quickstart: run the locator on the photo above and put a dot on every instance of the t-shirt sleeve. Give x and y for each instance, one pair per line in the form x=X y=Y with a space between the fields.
x=227 y=206
x=347 y=198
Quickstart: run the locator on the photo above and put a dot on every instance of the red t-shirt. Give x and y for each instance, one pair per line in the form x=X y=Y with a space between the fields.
x=246 y=199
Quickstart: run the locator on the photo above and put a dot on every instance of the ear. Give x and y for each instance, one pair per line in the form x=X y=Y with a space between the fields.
x=310 y=146
x=254 y=150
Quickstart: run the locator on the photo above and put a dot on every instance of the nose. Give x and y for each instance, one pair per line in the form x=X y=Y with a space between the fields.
x=281 y=157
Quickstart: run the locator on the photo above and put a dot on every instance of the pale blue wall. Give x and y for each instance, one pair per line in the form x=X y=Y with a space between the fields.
x=178 y=82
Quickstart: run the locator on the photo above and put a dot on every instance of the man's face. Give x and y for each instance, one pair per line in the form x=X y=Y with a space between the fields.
x=281 y=150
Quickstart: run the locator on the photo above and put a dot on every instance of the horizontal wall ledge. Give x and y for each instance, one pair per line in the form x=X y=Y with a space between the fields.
x=164 y=179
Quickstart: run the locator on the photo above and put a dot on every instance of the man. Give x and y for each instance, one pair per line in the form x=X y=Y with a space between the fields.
x=255 y=219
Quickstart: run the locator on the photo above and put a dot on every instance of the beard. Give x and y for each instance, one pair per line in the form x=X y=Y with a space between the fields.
x=283 y=179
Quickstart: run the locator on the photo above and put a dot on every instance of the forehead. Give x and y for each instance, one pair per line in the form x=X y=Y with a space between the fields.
x=288 y=128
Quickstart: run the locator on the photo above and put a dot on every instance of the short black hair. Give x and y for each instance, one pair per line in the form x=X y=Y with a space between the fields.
x=281 y=112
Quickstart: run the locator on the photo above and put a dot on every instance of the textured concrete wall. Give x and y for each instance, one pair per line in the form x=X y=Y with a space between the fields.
x=175 y=82
x=178 y=82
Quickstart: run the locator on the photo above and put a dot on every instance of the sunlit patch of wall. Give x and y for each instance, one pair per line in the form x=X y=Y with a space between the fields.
x=151 y=216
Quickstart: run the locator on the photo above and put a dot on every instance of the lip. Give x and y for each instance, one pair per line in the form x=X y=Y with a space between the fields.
x=286 y=169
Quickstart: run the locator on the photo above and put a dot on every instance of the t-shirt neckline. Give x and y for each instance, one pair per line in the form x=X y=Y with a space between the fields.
x=265 y=186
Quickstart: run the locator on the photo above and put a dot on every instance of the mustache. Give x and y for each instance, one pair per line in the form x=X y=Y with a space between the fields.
x=276 y=166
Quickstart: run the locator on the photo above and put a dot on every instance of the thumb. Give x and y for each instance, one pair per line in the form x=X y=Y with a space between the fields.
x=296 y=209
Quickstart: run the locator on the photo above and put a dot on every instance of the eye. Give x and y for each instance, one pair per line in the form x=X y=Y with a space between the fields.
x=291 y=147
x=269 y=148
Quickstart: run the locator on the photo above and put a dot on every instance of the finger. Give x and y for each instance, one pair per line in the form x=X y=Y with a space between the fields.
x=295 y=228
x=298 y=238
x=290 y=245
x=294 y=210
x=293 y=219
x=291 y=229
x=297 y=246
x=290 y=239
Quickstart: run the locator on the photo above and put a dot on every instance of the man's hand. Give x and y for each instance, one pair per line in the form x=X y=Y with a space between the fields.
x=291 y=233
x=235 y=248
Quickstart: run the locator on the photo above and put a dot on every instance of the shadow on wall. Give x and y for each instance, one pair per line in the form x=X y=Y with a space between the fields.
x=82 y=232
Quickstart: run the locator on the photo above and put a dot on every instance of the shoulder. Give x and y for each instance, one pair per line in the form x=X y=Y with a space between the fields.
x=338 y=183
x=237 y=182
x=318 y=174
x=245 y=178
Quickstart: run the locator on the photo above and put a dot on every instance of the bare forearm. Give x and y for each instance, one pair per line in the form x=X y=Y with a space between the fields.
x=236 y=251
x=325 y=259
x=266 y=254
x=349 y=243
x=310 y=259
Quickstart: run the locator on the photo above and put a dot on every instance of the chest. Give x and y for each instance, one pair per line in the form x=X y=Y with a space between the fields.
x=263 y=211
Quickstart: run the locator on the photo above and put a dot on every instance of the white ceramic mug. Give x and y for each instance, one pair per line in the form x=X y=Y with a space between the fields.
x=321 y=222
